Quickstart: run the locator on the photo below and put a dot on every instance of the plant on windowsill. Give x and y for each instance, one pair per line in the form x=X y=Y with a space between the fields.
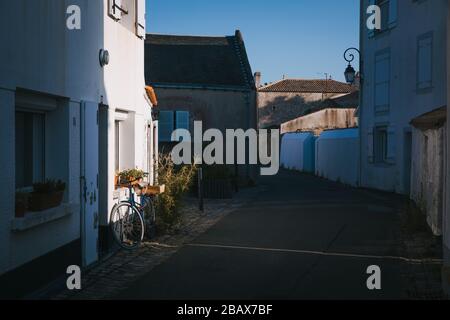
x=127 y=176
x=21 y=204
x=46 y=195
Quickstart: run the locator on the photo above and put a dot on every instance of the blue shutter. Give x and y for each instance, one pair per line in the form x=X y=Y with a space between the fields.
x=165 y=125
x=182 y=118
x=391 y=145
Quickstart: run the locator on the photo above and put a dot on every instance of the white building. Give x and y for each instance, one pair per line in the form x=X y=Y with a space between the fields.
x=65 y=116
x=404 y=80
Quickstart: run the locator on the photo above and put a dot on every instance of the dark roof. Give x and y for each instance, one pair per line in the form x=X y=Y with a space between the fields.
x=199 y=61
x=308 y=86
x=431 y=120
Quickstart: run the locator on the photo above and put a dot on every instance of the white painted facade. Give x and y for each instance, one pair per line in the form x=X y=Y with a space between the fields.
x=337 y=156
x=48 y=69
x=397 y=87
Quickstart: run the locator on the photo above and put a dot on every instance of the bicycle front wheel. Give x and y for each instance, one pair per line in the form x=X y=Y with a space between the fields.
x=127 y=225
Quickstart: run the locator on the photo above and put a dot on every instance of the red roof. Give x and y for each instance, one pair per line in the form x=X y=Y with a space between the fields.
x=308 y=86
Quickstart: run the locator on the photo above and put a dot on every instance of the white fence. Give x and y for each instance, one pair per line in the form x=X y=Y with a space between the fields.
x=337 y=156
x=297 y=151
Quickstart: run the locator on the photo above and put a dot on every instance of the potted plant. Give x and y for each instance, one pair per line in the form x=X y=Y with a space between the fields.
x=21 y=204
x=131 y=175
x=46 y=195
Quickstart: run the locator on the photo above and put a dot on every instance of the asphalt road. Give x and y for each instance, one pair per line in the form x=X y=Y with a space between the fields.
x=302 y=238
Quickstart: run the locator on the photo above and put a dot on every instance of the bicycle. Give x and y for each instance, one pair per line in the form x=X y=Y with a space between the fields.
x=130 y=220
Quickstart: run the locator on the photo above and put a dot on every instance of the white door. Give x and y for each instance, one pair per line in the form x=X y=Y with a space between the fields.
x=89 y=181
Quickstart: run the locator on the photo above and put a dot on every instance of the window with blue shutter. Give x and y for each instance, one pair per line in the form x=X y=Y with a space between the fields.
x=165 y=126
x=424 y=61
x=382 y=81
x=182 y=118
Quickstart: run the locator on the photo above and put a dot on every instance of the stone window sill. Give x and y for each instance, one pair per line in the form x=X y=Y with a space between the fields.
x=35 y=219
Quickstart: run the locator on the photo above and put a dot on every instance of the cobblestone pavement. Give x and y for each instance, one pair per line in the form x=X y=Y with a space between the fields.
x=424 y=277
x=110 y=276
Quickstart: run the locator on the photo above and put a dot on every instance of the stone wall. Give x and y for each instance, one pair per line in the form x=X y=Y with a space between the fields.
x=326 y=119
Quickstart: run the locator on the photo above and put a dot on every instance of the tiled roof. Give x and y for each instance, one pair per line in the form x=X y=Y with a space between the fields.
x=195 y=60
x=308 y=86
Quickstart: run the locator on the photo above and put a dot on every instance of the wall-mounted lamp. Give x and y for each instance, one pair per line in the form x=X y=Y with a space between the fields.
x=350 y=73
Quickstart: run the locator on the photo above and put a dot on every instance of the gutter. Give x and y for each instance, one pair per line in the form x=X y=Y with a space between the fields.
x=201 y=87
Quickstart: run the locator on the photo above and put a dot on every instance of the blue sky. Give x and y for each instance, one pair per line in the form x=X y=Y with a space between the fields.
x=296 y=38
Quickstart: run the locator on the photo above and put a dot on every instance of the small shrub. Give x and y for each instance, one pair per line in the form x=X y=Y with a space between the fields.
x=178 y=180
x=130 y=175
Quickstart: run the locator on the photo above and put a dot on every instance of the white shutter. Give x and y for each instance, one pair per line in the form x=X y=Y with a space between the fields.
x=140 y=18
x=393 y=12
x=391 y=145
x=113 y=9
x=370 y=146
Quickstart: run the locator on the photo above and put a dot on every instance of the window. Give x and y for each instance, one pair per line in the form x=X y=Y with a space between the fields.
x=381 y=144
x=140 y=18
x=384 y=7
x=425 y=61
x=166 y=125
x=169 y=121
x=388 y=10
x=30 y=148
x=115 y=9
x=382 y=81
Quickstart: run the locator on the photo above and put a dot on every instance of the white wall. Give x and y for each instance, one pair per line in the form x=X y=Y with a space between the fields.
x=42 y=55
x=297 y=151
x=337 y=154
x=125 y=90
x=428 y=175
x=405 y=102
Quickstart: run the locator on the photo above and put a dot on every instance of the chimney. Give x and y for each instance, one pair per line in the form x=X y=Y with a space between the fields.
x=258 y=79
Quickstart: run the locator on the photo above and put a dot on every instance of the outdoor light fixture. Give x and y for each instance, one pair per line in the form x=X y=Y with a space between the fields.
x=103 y=57
x=350 y=73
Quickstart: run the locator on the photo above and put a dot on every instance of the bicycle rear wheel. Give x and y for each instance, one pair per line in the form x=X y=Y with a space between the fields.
x=127 y=225
x=147 y=209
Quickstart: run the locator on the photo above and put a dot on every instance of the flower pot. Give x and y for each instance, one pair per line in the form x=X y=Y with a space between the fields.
x=44 y=201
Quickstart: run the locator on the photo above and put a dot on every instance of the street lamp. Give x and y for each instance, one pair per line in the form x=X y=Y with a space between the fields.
x=350 y=73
